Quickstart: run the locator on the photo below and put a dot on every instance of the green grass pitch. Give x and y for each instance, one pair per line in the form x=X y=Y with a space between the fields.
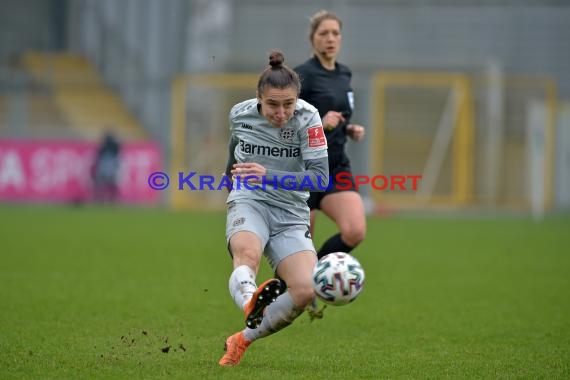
x=103 y=293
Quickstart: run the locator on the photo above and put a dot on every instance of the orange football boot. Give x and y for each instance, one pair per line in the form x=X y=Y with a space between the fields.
x=265 y=294
x=235 y=348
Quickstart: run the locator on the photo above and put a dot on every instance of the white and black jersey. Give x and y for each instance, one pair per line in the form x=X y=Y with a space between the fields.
x=293 y=153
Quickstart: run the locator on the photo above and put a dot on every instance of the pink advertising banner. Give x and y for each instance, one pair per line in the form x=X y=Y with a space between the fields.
x=60 y=171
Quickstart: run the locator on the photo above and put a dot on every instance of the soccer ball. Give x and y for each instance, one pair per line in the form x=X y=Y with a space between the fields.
x=338 y=278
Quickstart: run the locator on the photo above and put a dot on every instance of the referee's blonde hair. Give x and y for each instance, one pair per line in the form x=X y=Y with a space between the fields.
x=319 y=17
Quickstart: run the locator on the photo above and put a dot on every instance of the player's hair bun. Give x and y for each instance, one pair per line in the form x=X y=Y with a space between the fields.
x=276 y=59
x=278 y=75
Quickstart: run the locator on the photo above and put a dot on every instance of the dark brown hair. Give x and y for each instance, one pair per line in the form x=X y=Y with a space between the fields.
x=278 y=75
x=319 y=17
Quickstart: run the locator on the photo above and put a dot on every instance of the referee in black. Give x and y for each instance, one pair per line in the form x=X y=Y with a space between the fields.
x=326 y=85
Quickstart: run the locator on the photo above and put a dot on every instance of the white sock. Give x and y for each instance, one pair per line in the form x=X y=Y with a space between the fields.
x=242 y=285
x=278 y=315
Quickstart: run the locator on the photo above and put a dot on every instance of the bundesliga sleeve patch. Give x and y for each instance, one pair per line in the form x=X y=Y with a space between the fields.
x=316 y=137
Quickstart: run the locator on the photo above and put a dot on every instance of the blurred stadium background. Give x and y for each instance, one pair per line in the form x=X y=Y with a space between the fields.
x=461 y=282
x=473 y=95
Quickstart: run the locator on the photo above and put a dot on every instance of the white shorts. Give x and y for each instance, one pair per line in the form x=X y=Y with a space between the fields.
x=281 y=232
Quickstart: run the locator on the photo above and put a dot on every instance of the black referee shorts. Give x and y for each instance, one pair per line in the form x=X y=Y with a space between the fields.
x=339 y=165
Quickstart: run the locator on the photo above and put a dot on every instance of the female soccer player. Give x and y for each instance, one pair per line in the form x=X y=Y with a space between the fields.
x=277 y=152
x=326 y=85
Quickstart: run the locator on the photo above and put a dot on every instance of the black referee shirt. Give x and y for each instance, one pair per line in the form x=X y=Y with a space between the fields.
x=328 y=90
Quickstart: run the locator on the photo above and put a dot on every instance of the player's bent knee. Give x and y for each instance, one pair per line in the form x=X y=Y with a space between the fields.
x=302 y=295
x=353 y=235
